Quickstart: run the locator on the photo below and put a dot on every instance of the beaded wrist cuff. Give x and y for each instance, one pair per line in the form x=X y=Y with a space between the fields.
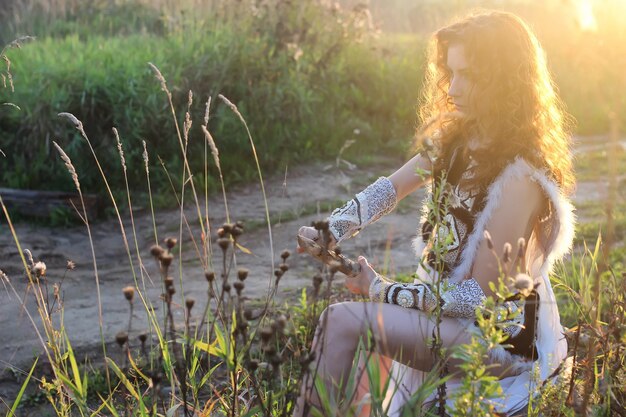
x=365 y=208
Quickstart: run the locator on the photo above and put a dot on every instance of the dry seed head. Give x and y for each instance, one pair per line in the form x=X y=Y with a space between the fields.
x=317 y=280
x=487 y=236
x=210 y=276
x=168 y=281
x=166 y=259
x=278 y=273
x=337 y=250
x=285 y=254
x=144 y=155
x=239 y=286
x=212 y=146
x=333 y=266
x=281 y=322
x=226 y=287
x=266 y=334
x=129 y=293
x=236 y=231
x=171 y=291
x=121 y=338
x=227 y=227
x=77 y=123
x=506 y=252
x=239 y=224
x=253 y=365
x=143 y=337
x=68 y=164
x=70 y=265
x=242 y=274
x=521 y=248
x=207 y=108
x=39 y=269
x=170 y=242
x=29 y=258
x=276 y=360
x=284 y=267
x=119 y=149
x=160 y=78
x=221 y=232
x=189 y=302
x=524 y=284
x=223 y=243
x=156 y=251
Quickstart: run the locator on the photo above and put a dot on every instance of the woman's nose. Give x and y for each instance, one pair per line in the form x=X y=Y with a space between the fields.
x=454 y=90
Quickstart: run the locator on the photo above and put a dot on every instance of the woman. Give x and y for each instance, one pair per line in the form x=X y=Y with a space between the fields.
x=499 y=163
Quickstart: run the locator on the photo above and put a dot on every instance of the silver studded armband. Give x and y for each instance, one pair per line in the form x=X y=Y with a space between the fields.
x=456 y=300
x=365 y=208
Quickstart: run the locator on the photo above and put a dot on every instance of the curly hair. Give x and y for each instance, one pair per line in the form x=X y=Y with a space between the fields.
x=515 y=104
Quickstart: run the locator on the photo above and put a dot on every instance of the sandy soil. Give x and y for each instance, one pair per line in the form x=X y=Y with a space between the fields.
x=290 y=197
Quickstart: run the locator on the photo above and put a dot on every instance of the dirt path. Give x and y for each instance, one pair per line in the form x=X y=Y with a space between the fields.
x=292 y=199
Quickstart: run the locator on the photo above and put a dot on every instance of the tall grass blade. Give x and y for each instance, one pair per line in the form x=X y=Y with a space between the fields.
x=16 y=403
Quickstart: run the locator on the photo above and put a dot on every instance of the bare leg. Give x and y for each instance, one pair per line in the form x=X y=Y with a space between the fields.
x=399 y=333
x=364 y=385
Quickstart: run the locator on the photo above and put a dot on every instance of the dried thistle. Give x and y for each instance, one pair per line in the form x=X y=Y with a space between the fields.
x=170 y=242
x=266 y=334
x=239 y=286
x=284 y=267
x=39 y=269
x=236 y=231
x=242 y=274
x=285 y=254
x=210 y=276
x=189 y=302
x=129 y=293
x=157 y=251
x=70 y=266
x=223 y=243
x=524 y=284
x=121 y=338
x=166 y=259
x=168 y=281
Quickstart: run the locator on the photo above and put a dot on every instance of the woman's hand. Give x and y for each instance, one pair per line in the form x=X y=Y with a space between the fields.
x=360 y=284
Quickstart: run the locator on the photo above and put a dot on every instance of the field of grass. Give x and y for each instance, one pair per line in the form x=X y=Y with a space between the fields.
x=287 y=83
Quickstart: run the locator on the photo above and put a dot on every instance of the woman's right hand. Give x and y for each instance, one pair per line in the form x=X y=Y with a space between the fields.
x=311 y=233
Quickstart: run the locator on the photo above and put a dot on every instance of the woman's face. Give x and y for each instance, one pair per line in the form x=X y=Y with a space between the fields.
x=461 y=84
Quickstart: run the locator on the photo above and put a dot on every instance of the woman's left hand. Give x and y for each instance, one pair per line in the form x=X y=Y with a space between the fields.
x=360 y=284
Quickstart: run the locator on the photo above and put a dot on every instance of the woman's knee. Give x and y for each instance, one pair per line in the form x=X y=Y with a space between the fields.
x=341 y=319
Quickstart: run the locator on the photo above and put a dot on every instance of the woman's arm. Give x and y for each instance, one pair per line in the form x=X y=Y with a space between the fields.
x=377 y=199
x=357 y=213
x=520 y=204
x=411 y=176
